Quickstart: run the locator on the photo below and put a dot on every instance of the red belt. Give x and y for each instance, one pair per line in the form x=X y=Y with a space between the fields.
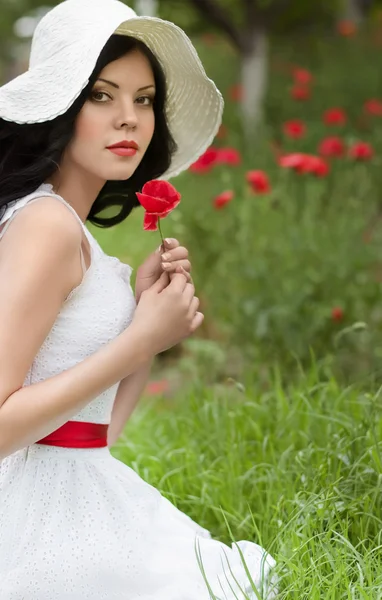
x=78 y=434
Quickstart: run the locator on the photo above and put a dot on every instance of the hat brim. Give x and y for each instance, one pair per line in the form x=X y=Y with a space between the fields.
x=194 y=105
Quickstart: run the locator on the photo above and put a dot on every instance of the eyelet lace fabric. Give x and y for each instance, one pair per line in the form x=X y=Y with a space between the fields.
x=78 y=524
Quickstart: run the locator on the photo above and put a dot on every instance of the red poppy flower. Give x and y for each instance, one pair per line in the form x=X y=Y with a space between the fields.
x=317 y=166
x=334 y=116
x=337 y=313
x=222 y=199
x=228 y=156
x=361 y=151
x=302 y=76
x=305 y=163
x=373 y=107
x=300 y=92
x=346 y=28
x=206 y=161
x=332 y=146
x=259 y=182
x=158 y=198
x=236 y=92
x=295 y=129
x=296 y=161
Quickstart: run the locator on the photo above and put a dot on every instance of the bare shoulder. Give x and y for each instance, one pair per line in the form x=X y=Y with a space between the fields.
x=39 y=264
x=43 y=219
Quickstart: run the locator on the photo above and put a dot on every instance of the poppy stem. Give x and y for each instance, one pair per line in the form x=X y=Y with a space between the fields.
x=161 y=236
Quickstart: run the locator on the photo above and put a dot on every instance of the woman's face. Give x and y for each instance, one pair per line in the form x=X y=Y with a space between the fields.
x=119 y=109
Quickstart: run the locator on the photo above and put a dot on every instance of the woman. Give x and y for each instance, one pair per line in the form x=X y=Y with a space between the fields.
x=110 y=101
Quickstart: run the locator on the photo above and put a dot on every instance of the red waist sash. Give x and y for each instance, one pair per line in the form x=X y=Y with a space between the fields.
x=78 y=434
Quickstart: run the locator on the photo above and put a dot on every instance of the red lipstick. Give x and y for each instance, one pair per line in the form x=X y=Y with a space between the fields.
x=124 y=148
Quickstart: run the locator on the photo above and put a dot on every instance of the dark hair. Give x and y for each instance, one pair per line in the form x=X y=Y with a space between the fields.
x=31 y=153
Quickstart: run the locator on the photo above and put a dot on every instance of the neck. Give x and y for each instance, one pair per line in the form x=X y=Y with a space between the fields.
x=79 y=189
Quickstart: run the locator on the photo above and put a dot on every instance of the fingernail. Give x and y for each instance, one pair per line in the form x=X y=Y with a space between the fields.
x=166 y=256
x=169 y=241
x=166 y=265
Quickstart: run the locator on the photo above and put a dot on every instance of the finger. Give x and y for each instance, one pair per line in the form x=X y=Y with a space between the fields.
x=160 y=283
x=180 y=270
x=178 y=282
x=178 y=253
x=186 y=273
x=177 y=263
x=194 y=306
x=170 y=243
x=189 y=292
x=197 y=321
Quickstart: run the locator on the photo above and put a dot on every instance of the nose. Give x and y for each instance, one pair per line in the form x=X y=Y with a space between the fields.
x=127 y=114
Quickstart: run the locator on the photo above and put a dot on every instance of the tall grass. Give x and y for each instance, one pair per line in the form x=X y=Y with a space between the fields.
x=297 y=469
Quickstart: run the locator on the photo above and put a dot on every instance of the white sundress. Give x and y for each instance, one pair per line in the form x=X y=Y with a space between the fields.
x=78 y=524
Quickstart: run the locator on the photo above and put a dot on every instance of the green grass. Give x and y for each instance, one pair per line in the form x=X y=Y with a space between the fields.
x=297 y=469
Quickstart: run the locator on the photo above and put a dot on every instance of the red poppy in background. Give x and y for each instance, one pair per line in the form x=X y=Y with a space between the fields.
x=361 y=151
x=236 y=92
x=346 y=28
x=258 y=181
x=158 y=198
x=317 y=166
x=206 y=161
x=334 y=116
x=216 y=156
x=222 y=199
x=302 y=76
x=300 y=92
x=228 y=156
x=305 y=163
x=295 y=129
x=373 y=107
x=337 y=313
x=332 y=146
x=295 y=161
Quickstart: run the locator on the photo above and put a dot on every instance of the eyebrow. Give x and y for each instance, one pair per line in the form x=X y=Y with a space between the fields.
x=117 y=86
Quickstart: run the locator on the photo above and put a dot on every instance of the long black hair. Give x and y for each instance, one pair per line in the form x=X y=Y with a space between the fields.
x=31 y=153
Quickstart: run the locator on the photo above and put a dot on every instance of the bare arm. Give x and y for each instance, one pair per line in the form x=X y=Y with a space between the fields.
x=129 y=392
x=32 y=412
x=39 y=255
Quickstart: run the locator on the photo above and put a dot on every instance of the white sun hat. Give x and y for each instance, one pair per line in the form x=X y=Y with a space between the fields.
x=65 y=48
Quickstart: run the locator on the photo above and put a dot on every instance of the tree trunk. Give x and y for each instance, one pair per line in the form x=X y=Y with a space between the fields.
x=254 y=78
x=353 y=11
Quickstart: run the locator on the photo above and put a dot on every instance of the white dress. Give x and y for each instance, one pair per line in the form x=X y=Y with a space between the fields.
x=78 y=524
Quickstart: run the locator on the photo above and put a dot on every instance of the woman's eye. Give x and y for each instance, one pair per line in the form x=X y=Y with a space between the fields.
x=150 y=100
x=97 y=96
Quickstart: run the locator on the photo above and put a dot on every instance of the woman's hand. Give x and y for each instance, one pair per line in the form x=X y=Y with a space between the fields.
x=166 y=313
x=173 y=260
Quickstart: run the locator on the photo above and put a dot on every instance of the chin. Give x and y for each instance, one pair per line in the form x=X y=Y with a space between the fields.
x=118 y=174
